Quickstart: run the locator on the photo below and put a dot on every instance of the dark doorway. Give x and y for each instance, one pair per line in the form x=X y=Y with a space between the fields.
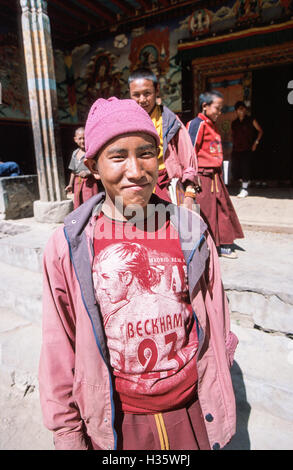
x=270 y=107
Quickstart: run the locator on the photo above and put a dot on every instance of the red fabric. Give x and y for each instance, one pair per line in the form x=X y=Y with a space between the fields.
x=208 y=145
x=84 y=189
x=185 y=430
x=217 y=210
x=161 y=189
x=147 y=315
x=243 y=133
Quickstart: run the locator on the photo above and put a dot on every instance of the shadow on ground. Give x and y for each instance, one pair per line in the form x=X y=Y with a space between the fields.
x=241 y=440
x=268 y=192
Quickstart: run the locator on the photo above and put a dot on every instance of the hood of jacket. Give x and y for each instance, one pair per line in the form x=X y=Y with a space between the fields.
x=171 y=126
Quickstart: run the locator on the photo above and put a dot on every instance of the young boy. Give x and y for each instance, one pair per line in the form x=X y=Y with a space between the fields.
x=176 y=158
x=136 y=339
x=245 y=142
x=81 y=182
x=214 y=200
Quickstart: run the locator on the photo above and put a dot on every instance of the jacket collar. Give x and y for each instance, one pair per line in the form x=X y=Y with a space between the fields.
x=76 y=221
x=190 y=226
x=171 y=126
x=206 y=119
x=182 y=219
x=191 y=229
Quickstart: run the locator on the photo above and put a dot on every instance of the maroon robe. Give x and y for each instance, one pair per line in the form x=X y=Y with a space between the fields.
x=216 y=208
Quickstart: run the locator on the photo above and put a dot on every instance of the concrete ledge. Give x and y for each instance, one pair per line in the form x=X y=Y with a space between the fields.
x=267 y=311
x=25 y=250
x=258 y=227
x=17 y=195
x=21 y=291
x=52 y=212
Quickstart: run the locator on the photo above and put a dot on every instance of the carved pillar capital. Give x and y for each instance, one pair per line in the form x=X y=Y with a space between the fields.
x=25 y=5
x=34 y=5
x=41 y=6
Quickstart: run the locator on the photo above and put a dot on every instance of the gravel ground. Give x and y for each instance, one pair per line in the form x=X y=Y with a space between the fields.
x=21 y=426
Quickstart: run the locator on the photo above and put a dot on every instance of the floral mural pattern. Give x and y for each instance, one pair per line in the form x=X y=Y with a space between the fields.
x=90 y=71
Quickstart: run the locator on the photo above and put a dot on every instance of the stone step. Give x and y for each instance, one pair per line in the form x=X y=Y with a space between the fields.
x=259 y=283
x=24 y=249
x=21 y=291
x=266 y=310
x=17 y=195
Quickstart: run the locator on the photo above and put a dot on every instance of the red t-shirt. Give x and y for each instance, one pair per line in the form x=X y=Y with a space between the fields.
x=140 y=283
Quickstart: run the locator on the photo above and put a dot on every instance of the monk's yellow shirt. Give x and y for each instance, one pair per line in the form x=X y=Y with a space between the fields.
x=157 y=119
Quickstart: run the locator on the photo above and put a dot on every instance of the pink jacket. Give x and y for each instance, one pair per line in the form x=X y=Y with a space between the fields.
x=74 y=375
x=179 y=153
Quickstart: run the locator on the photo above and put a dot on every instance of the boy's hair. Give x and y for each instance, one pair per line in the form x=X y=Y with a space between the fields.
x=238 y=104
x=208 y=97
x=143 y=73
x=78 y=130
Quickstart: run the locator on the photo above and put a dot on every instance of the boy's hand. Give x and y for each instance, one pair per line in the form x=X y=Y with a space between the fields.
x=69 y=188
x=253 y=148
x=189 y=202
x=198 y=184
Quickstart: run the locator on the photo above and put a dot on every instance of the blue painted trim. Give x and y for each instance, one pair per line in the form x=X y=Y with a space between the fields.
x=43 y=83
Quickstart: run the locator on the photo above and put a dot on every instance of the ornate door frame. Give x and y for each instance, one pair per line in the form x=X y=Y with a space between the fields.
x=242 y=61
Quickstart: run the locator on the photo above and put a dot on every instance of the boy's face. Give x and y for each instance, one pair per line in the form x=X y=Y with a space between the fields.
x=144 y=93
x=241 y=112
x=214 y=109
x=128 y=168
x=79 y=139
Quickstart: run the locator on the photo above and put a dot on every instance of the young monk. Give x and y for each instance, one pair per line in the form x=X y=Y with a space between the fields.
x=176 y=158
x=81 y=182
x=215 y=204
x=137 y=346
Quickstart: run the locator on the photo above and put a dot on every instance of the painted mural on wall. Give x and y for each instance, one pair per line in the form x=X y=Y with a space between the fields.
x=97 y=70
x=14 y=102
x=102 y=70
x=234 y=14
x=151 y=50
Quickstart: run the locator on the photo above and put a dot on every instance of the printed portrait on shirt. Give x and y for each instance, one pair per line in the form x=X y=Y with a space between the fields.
x=141 y=297
x=148 y=320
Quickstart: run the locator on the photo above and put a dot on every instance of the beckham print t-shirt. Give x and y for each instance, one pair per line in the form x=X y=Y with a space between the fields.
x=140 y=283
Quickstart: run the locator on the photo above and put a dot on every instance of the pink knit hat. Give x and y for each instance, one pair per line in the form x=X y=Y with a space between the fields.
x=113 y=117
